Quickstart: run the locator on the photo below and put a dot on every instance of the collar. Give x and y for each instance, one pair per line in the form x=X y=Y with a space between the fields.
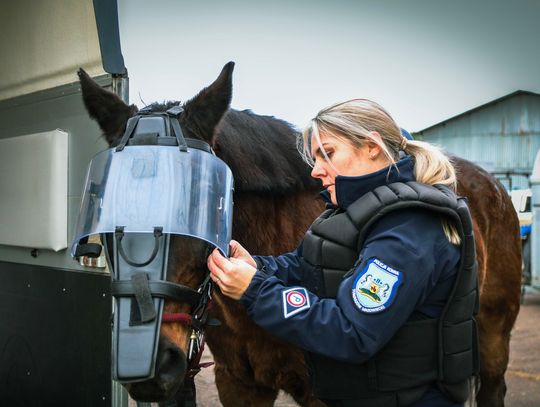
x=350 y=189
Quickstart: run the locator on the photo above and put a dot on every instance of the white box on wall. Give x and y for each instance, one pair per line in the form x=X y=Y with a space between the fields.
x=33 y=190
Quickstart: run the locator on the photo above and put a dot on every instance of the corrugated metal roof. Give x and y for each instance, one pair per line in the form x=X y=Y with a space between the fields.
x=502 y=98
x=503 y=136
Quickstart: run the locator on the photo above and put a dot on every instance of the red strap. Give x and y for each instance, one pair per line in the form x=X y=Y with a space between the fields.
x=195 y=366
x=177 y=317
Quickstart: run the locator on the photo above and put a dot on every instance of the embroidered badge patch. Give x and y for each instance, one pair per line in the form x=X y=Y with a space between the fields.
x=376 y=286
x=295 y=300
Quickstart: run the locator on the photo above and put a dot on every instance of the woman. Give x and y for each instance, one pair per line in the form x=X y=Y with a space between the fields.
x=371 y=293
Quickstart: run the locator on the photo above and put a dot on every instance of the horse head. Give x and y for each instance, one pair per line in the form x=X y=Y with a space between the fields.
x=199 y=118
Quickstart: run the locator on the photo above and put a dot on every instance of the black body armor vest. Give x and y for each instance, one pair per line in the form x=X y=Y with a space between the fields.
x=423 y=352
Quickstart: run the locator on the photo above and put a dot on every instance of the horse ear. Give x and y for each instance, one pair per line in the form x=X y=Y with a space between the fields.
x=203 y=113
x=105 y=107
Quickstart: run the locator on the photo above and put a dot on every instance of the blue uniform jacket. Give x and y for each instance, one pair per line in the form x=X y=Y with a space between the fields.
x=411 y=242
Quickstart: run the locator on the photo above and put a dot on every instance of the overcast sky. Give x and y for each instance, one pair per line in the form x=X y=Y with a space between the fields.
x=424 y=60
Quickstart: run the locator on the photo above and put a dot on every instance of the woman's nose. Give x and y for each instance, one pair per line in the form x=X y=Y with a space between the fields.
x=317 y=171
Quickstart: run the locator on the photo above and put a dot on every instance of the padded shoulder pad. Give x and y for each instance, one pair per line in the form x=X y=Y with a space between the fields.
x=405 y=194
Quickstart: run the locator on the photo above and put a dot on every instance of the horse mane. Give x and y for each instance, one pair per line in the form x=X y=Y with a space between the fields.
x=261 y=152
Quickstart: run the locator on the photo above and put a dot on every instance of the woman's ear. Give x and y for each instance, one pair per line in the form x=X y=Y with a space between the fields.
x=374 y=149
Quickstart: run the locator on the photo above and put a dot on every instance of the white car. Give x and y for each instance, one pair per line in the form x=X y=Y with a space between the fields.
x=521 y=198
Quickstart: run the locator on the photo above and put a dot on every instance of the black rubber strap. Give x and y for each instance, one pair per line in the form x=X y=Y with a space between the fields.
x=131 y=124
x=143 y=297
x=177 y=129
x=119 y=235
x=161 y=289
x=199 y=145
x=88 y=249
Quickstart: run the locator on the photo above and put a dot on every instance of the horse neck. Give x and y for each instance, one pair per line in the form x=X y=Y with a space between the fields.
x=269 y=224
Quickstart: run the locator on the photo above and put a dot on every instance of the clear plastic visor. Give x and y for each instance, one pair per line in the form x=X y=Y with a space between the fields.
x=143 y=187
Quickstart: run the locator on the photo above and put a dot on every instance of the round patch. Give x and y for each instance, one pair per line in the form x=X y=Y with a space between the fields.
x=375 y=288
x=296 y=299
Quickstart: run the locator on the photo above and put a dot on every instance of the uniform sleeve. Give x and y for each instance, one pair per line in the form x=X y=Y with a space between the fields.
x=353 y=327
x=285 y=267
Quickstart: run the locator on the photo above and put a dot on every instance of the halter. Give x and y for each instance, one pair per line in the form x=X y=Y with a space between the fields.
x=154 y=176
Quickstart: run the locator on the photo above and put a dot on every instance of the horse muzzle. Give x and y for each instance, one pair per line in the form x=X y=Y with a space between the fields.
x=171 y=366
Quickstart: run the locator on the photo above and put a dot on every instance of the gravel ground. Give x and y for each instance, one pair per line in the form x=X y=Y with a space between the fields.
x=523 y=375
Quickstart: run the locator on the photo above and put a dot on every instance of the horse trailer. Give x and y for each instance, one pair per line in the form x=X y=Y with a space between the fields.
x=55 y=313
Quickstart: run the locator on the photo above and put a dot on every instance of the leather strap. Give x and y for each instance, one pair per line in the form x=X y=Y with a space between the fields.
x=143 y=297
x=162 y=289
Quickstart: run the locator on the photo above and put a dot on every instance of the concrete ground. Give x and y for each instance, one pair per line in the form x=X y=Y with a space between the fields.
x=523 y=374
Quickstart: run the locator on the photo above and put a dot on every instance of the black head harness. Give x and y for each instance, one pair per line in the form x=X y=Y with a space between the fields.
x=153 y=155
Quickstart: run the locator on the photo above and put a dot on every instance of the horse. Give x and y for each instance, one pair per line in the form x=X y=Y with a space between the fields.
x=251 y=365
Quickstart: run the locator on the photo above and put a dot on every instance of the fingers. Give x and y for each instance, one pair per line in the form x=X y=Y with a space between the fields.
x=232 y=276
x=215 y=263
x=236 y=249
x=234 y=245
x=239 y=252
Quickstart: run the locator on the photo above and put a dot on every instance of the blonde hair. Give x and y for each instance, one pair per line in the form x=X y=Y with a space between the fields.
x=355 y=121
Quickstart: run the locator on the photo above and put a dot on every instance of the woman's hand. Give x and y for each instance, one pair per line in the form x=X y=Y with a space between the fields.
x=232 y=275
x=238 y=252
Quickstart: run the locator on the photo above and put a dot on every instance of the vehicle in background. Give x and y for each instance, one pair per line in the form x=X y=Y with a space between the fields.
x=521 y=198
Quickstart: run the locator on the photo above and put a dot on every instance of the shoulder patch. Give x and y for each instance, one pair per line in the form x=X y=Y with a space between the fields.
x=295 y=300
x=375 y=288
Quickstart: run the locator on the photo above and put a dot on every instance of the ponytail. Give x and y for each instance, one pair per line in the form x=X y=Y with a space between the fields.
x=431 y=166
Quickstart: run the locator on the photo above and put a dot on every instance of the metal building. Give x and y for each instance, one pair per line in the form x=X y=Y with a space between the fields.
x=502 y=136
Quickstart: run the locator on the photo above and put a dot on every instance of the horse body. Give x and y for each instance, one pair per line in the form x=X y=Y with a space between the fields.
x=498 y=250
x=275 y=202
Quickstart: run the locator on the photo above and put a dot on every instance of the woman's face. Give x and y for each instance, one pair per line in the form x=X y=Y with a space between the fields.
x=345 y=159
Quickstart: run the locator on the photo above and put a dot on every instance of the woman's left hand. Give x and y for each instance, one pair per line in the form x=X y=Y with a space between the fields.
x=231 y=275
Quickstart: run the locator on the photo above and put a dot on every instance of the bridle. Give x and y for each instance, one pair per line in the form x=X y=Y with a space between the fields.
x=198 y=319
x=140 y=287
x=143 y=290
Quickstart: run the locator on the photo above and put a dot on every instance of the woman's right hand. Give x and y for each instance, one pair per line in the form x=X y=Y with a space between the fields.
x=237 y=251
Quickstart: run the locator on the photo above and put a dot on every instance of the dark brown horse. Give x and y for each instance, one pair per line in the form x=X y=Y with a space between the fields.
x=275 y=202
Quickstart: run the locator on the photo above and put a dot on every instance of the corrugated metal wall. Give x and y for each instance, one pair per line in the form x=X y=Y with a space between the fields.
x=502 y=136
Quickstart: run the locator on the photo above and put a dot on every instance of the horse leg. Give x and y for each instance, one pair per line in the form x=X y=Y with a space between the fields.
x=234 y=393
x=279 y=365
x=498 y=311
x=234 y=376
x=296 y=383
x=494 y=352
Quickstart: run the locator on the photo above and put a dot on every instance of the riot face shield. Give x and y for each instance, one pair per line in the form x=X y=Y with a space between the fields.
x=154 y=184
